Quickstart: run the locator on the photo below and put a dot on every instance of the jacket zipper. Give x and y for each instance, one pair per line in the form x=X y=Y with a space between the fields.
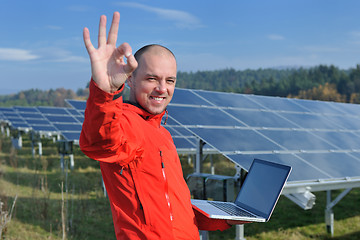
x=166 y=186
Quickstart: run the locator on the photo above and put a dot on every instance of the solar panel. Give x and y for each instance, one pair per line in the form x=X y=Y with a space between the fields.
x=50 y=120
x=53 y=110
x=61 y=119
x=71 y=136
x=201 y=116
x=260 y=118
x=77 y=104
x=321 y=140
x=14 y=119
x=74 y=112
x=184 y=140
x=6 y=109
x=25 y=109
x=65 y=120
x=44 y=128
x=36 y=121
x=68 y=127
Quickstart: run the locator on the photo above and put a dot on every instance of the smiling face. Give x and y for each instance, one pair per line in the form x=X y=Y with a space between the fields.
x=152 y=85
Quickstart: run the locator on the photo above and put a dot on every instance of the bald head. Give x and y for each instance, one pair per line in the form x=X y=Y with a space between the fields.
x=152 y=49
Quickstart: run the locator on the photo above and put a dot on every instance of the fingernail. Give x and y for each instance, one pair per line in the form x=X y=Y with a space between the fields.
x=127 y=54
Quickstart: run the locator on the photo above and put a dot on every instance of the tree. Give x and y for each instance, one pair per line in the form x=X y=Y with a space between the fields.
x=327 y=92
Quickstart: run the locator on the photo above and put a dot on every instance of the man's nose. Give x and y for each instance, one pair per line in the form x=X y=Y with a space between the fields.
x=161 y=87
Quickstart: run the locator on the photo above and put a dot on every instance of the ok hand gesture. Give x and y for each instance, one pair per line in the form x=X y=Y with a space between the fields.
x=108 y=67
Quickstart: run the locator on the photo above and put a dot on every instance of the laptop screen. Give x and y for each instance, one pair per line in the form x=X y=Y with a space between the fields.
x=262 y=187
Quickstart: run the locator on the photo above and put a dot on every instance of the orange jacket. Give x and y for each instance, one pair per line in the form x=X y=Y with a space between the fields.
x=141 y=170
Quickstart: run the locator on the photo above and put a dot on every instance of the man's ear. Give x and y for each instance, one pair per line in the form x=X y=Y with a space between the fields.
x=130 y=80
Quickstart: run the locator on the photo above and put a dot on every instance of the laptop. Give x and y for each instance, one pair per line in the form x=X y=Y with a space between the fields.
x=257 y=197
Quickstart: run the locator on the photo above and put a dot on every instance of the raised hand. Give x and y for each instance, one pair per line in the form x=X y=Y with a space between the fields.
x=108 y=67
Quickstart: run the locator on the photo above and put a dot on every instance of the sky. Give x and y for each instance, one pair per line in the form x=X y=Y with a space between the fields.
x=41 y=45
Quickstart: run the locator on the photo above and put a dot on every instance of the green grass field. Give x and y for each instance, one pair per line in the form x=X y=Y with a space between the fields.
x=39 y=207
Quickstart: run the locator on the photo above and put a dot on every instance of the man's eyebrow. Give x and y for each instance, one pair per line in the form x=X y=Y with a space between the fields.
x=151 y=75
x=156 y=76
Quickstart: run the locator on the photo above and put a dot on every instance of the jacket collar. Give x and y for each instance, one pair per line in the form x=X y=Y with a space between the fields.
x=154 y=119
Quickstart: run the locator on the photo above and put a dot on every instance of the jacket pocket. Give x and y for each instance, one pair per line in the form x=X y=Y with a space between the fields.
x=140 y=195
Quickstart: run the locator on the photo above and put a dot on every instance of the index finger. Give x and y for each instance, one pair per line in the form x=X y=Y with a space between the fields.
x=114 y=29
x=86 y=36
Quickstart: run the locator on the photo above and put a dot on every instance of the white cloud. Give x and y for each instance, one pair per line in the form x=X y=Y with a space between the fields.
x=55 y=54
x=355 y=37
x=275 y=37
x=15 y=54
x=321 y=49
x=182 y=19
x=355 y=34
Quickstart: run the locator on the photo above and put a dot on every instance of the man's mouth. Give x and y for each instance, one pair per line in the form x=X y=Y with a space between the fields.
x=157 y=98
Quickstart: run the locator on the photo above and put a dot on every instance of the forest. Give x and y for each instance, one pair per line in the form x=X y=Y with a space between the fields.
x=327 y=83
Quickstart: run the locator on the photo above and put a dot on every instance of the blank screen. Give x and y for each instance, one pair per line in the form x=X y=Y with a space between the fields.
x=262 y=186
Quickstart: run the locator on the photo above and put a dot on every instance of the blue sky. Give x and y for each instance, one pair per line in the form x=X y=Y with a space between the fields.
x=41 y=41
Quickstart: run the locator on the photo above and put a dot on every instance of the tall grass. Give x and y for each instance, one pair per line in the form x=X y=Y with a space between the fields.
x=40 y=213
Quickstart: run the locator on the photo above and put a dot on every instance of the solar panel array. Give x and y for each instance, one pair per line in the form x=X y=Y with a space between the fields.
x=320 y=140
x=45 y=120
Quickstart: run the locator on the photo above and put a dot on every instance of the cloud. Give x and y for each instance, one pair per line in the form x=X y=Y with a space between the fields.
x=15 y=54
x=182 y=19
x=321 y=49
x=355 y=34
x=275 y=37
x=55 y=54
x=355 y=37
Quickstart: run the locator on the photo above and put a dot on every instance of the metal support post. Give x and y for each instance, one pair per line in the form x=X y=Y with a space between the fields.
x=240 y=229
x=104 y=188
x=20 y=140
x=71 y=156
x=329 y=215
x=329 y=221
x=40 y=148
x=212 y=168
x=189 y=159
x=62 y=164
x=204 y=235
x=199 y=156
x=32 y=148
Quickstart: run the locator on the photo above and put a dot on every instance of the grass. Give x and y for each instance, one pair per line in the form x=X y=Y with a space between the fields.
x=38 y=210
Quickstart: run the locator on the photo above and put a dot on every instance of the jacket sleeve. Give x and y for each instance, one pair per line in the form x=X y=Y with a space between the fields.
x=103 y=137
x=208 y=224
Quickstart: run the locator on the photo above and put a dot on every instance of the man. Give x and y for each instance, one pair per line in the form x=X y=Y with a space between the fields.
x=141 y=170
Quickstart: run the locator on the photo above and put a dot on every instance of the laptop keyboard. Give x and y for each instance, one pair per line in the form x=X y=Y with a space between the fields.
x=231 y=209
